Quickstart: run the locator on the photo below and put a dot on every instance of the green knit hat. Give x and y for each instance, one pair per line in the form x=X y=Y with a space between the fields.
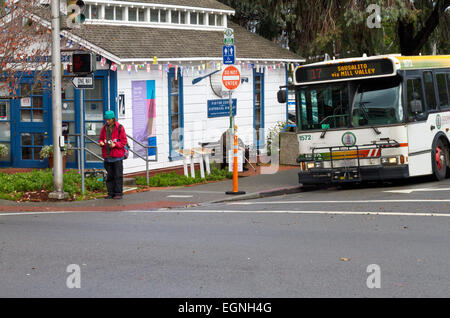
x=109 y=114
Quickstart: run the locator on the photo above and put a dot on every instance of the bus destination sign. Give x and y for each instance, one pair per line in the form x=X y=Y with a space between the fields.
x=344 y=71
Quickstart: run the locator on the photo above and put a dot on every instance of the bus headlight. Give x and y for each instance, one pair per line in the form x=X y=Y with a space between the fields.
x=315 y=164
x=389 y=161
x=318 y=164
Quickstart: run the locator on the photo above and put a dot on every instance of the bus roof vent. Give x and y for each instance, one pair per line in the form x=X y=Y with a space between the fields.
x=364 y=55
x=327 y=57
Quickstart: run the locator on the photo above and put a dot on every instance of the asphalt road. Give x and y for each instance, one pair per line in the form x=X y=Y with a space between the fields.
x=377 y=241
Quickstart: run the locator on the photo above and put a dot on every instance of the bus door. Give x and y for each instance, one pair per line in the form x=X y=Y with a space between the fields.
x=421 y=106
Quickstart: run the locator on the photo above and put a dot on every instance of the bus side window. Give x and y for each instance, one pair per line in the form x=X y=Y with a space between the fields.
x=414 y=97
x=429 y=90
x=443 y=85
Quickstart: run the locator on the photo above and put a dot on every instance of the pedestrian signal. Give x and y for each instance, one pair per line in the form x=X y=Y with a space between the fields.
x=83 y=63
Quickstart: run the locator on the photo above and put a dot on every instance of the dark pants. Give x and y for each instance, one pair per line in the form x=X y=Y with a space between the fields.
x=114 y=179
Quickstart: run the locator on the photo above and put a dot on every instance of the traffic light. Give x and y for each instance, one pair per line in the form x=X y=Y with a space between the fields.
x=75 y=16
x=83 y=63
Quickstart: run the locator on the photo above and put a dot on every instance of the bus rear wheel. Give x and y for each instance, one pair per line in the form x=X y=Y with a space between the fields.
x=440 y=160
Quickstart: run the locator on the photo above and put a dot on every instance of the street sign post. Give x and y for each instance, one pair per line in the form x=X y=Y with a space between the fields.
x=228 y=54
x=83 y=82
x=231 y=78
x=228 y=36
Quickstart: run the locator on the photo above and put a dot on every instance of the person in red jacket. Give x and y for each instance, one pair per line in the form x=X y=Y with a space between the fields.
x=113 y=140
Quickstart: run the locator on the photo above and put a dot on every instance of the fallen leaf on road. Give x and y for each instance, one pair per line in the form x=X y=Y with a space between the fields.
x=345 y=259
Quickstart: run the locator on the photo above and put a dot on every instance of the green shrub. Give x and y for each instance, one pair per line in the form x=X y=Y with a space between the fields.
x=12 y=186
x=174 y=179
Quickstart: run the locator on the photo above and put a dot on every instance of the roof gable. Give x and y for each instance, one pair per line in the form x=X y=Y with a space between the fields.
x=139 y=44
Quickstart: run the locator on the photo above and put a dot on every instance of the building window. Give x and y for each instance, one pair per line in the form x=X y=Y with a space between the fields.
x=95 y=12
x=87 y=12
x=119 y=14
x=31 y=104
x=154 y=15
x=212 y=20
x=183 y=17
x=219 y=20
x=163 y=15
x=5 y=128
x=175 y=16
x=201 y=18
x=109 y=13
x=132 y=14
x=194 y=17
x=141 y=13
x=176 y=114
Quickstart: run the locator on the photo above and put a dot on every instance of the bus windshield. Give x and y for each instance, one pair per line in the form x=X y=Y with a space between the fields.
x=328 y=106
x=323 y=106
x=377 y=102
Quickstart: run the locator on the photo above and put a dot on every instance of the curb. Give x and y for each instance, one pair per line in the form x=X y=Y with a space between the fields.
x=261 y=194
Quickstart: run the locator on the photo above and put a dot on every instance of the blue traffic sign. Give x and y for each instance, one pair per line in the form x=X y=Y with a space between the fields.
x=228 y=53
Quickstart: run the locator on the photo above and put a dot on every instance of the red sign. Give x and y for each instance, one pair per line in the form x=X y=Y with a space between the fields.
x=231 y=77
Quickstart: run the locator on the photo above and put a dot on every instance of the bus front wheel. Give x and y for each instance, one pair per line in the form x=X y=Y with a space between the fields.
x=440 y=160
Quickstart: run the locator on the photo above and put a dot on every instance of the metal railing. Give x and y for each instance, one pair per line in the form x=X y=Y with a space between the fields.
x=81 y=153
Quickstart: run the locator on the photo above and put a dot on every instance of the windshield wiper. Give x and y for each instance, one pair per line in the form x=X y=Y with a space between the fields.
x=365 y=111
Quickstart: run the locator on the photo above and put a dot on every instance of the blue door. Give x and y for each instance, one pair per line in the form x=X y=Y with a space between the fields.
x=32 y=129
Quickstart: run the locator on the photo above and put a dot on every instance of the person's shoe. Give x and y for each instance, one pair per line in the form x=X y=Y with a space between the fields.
x=109 y=197
x=117 y=197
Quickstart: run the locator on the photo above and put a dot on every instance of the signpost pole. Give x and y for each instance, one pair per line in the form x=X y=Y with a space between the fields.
x=82 y=143
x=231 y=111
x=58 y=187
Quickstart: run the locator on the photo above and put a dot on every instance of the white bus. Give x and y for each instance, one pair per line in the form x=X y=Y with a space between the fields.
x=373 y=118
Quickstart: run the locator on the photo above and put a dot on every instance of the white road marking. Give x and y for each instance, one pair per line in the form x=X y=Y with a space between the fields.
x=308 y=212
x=408 y=191
x=336 y=201
x=180 y=196
x=236 y=211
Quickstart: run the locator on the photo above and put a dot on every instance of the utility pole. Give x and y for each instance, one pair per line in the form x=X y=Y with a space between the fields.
x=58 y=139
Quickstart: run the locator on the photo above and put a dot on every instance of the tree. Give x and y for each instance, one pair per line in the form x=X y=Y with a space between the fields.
x=24 y=47
x=415 y=31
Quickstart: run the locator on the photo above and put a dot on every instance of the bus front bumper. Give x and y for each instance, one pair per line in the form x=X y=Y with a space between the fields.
x=364 y=173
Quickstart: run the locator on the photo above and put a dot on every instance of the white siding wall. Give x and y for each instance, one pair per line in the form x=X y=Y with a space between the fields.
x=197 y=126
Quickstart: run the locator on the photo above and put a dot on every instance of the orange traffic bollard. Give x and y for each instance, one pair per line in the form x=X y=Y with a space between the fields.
x=235 y=169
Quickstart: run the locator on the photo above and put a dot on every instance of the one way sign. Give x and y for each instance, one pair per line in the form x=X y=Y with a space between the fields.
x=228 y=53
x=85 y=82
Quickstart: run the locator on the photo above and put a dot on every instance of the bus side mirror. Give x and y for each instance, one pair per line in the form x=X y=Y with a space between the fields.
x=281 y=96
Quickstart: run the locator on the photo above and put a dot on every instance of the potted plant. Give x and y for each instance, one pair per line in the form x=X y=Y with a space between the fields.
x=3 y=151
x=47 y=152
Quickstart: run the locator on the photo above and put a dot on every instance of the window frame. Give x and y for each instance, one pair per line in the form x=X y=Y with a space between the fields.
x=446 y=74
x=259 y=143
x=4 y=141
x=170 y=76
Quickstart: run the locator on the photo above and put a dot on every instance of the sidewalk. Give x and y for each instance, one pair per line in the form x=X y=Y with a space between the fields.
x=282 y=182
